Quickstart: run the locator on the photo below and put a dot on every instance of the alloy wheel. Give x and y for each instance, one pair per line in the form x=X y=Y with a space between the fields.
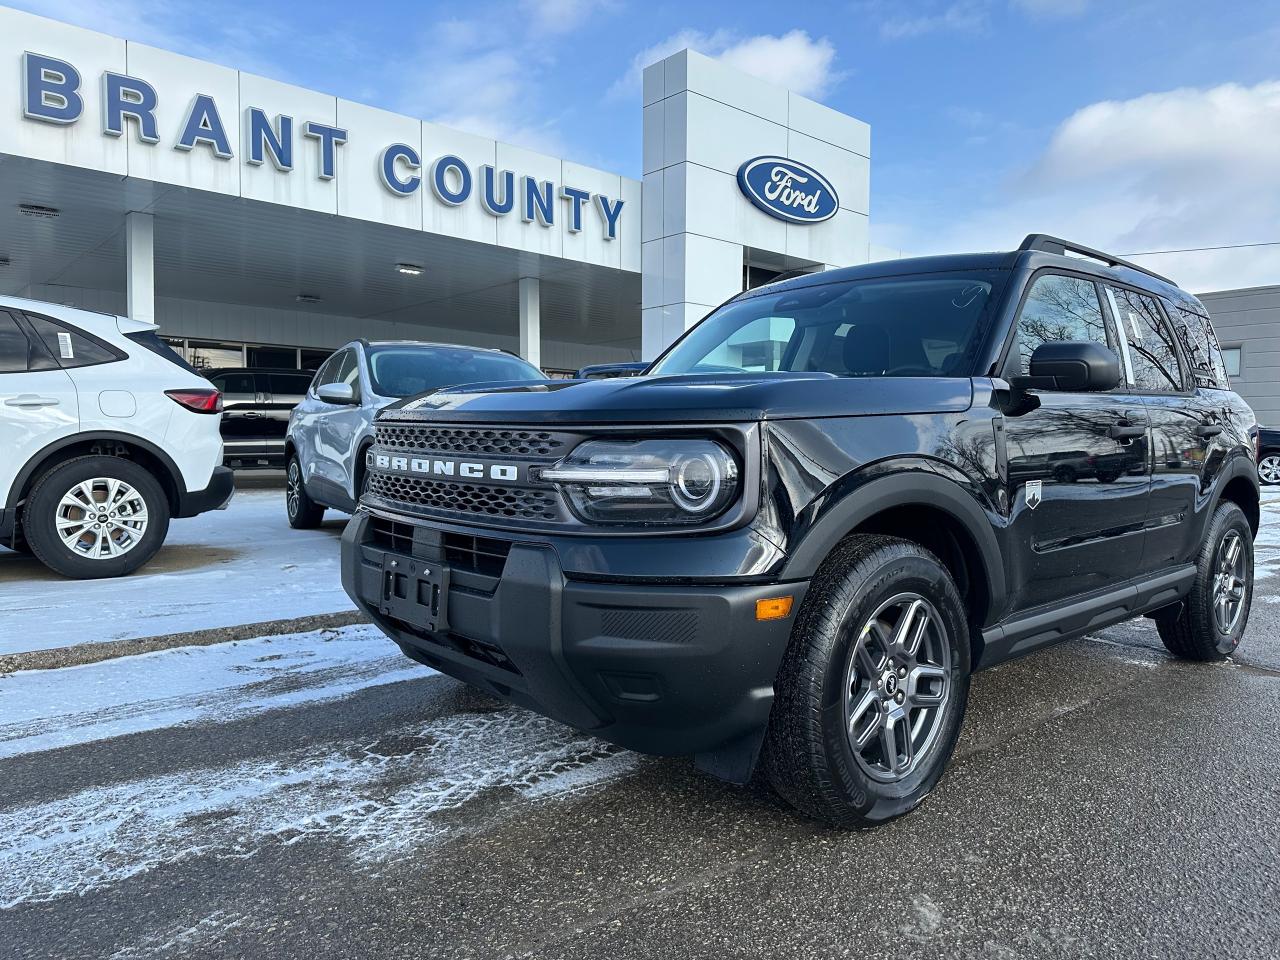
x=897 y=684
x=293 y=488
x=1229 y=586
x=1269 y=468
x=102 y=518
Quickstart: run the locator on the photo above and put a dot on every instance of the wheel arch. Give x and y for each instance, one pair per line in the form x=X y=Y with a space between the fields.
x=925 y=508
x=1240 y=486
x=105 y=443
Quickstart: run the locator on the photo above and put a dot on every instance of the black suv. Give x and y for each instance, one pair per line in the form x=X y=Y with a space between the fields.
x=257 y=402
x=825 y=506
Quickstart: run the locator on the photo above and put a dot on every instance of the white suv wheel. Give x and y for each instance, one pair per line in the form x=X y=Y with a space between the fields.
x=102 y=518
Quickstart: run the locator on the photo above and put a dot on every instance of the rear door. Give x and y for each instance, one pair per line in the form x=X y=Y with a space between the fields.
x=243 y=426
x=1076 y=471
x=283 y=392
x=38 y=401
x=1187 y=442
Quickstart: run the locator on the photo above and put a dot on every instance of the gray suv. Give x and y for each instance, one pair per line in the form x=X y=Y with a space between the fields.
x=332 y=427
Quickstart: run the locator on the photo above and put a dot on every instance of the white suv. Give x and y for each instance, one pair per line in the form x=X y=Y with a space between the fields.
x=106 y=433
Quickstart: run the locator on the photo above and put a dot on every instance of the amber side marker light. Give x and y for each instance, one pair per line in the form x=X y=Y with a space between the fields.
x=774 y=608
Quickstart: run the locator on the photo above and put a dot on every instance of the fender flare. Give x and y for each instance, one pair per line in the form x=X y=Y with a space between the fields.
x=1241 y=465
x=24 y=476
x=898 y=490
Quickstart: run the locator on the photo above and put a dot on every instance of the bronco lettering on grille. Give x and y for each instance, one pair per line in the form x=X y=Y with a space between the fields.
x=509 y=472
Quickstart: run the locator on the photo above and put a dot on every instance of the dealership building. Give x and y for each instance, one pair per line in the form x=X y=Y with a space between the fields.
x=263 y=224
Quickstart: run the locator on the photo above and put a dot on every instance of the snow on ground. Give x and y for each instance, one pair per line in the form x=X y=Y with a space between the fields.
x=380 y=795
x=1266 y=550
x=223 y=568
x=46 y=709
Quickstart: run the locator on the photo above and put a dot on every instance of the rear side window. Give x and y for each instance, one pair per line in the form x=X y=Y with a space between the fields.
x=288 y=384
x=236 y=387
x=72 y=347
x=1152 y=351
x=148 y=339
x=1200 y=347
x=1059 y=307
x=13 y=346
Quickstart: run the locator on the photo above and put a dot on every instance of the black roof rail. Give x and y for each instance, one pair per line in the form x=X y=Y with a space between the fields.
x=1047 y=244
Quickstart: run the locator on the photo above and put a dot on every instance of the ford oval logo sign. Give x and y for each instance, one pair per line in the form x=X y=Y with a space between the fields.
x=788 y=190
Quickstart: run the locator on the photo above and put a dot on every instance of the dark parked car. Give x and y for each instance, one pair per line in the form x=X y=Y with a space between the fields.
x=256 y=407
x=792 y=541
x=1269 y=456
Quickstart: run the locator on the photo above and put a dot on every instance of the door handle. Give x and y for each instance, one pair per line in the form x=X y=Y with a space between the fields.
x=1125 y=431
x=1208 y=430
x=31 y=400
x=251 y=415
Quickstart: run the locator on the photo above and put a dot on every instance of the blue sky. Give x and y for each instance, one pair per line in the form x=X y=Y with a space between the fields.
x=1133 y=126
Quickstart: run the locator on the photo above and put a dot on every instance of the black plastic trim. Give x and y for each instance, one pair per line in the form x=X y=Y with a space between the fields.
x=18 y=490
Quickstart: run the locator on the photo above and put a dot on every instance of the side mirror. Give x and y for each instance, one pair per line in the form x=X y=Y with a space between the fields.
x=1076 y=365
x=339 y=393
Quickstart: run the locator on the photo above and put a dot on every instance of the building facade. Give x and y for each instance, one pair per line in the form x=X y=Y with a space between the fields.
x=262 y=223
x=1248 y=325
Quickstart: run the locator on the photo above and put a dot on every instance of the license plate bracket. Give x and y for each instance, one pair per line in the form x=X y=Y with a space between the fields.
x=415 y=592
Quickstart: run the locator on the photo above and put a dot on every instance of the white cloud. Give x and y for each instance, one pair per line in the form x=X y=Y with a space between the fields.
x=793 y=60
x=966 y=16
x=1192 y=167
x=562 y=16
x=1051 y=9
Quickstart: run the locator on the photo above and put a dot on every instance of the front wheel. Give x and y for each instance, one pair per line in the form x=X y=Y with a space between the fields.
x=1269 y=469
x=304 y=513
x=1210 y=622
x=96 y=517
x=873 y=685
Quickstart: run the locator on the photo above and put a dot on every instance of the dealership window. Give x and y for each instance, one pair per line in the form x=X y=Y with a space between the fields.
x=207 y=354
x=311 y=359
x=1232 y=356
x=272 y=357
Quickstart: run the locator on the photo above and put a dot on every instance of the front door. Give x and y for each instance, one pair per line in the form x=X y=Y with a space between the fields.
x=1076 y=470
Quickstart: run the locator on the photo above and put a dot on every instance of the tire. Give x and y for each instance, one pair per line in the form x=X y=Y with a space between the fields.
x=1269 y=468
x=304 y=513
x=1200 y=627
x=68 y=539
x=825 y=680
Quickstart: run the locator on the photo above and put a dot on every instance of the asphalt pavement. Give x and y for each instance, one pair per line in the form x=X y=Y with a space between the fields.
x=316 y=796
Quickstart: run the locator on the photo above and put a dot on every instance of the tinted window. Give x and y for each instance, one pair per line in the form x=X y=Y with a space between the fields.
x=349 y=371
x=405 y=371
x=916 y=326
x=288 y=384
x=1200 y=347
x=72 y=347
x=1059 y=308
x=148 y=339
x=236 y=387
x=329 y=371
x=1151 y=348
x=13 y=346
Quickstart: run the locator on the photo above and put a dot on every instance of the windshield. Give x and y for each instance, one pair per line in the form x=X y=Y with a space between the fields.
x=926 y=325
x=406 y=371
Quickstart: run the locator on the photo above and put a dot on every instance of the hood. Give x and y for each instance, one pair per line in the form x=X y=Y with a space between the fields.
x=692 y=398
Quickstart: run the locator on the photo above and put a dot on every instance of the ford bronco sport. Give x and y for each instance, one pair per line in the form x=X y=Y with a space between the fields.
x=791 y=542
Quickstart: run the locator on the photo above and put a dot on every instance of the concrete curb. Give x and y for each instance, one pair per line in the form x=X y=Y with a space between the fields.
x=79 y=654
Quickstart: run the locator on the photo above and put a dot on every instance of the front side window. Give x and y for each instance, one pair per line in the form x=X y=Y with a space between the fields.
x=328 y=372
x=72 y=348
x=926 y=325
x=408 y=370
x=1152 y=352
x=1059 y=307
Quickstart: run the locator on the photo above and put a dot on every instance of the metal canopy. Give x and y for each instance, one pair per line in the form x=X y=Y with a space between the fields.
x=228 y=250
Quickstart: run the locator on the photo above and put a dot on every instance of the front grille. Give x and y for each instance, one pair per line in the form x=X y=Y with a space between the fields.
x=516 y=503
x=668 y=626
x=471 y=440
x=394 y=536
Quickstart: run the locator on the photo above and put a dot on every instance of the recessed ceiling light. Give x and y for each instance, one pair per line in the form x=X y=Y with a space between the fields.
x=38 y=210
x=409 y=269
x=307 y=298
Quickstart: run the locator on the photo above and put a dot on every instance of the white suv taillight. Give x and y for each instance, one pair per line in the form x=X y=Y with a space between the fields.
x=197 y=401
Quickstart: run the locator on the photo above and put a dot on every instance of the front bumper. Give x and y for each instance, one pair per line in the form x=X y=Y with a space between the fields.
x=659 y=668
x=216 y=496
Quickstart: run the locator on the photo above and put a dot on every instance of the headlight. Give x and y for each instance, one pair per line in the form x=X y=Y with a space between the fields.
x=637 y=482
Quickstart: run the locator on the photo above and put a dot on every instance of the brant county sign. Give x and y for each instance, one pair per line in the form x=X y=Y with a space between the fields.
x=788 y=190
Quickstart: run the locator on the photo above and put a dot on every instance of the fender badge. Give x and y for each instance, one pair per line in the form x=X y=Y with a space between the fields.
x=1033 y=493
